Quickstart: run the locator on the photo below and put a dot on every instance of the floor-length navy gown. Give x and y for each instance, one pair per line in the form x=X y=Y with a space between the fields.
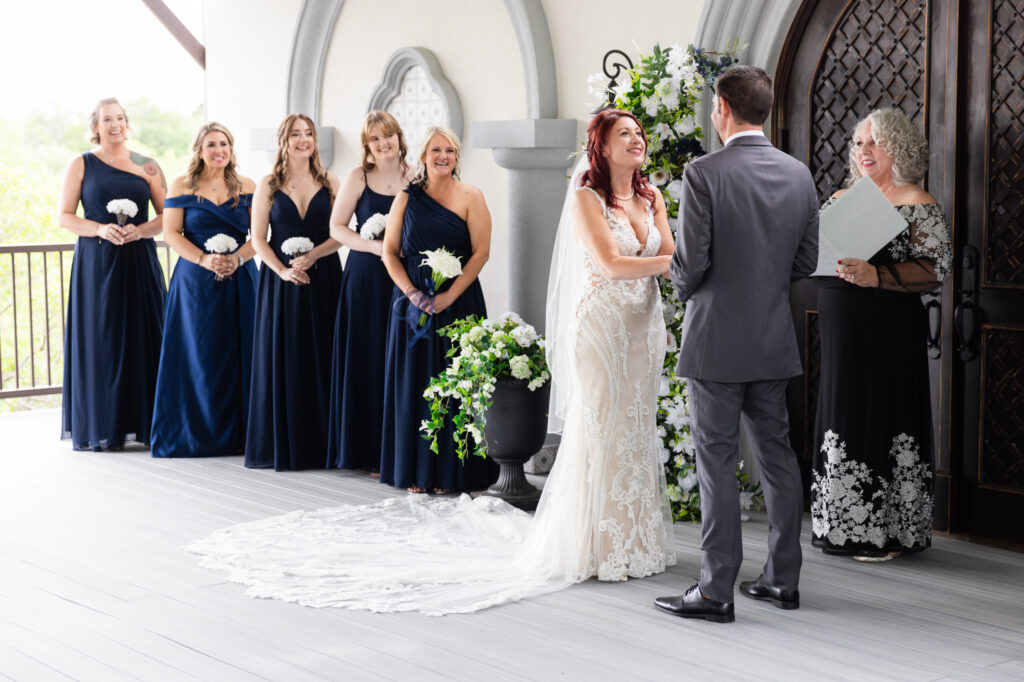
x=406 y=459
x=114 y=323
x=360 y=338
x=291 y=364
x=202 y=388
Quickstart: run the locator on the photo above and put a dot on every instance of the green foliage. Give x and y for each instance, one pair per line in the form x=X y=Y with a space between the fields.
x=482 y=352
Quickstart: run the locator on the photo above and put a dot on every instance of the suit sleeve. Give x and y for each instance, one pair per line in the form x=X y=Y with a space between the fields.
x=806 y=260
x=692 y=257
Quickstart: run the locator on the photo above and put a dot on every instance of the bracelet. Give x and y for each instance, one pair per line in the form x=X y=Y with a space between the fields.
x=241 y=260
x=199 y=258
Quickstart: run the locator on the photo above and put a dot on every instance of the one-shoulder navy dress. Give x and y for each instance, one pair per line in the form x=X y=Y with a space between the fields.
x=406 y=459
x=202 y=389
x=360 y=338
x=115 y=321
x=291 y=363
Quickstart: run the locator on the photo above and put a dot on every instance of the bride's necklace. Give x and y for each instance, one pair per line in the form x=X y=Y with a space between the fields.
x=628 y=197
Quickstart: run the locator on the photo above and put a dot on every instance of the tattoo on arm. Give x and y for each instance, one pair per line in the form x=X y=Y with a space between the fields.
x=151 y=167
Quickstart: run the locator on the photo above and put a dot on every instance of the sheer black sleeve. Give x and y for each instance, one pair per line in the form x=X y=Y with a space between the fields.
x=929 y=257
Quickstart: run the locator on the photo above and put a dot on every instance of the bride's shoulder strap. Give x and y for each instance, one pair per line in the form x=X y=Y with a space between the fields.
x=600 y=199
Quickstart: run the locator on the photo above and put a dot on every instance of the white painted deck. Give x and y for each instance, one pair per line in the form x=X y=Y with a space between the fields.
x=94 y=585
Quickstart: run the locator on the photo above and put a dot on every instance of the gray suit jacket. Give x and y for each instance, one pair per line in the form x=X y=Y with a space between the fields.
x=748 y=226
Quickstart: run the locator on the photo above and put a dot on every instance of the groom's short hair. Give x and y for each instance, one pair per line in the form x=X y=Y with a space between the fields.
x=748 y=90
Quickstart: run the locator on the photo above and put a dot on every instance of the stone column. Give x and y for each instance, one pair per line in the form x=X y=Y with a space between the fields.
x=536 y=154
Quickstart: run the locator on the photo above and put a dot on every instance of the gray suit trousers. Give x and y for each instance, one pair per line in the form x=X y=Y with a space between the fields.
x=715 y=412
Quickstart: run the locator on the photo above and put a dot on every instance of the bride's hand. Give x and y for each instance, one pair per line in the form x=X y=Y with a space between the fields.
x=664 y=263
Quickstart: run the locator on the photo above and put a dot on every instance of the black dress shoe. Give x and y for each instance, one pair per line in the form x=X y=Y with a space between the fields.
x=759 y=589
x=694 y=604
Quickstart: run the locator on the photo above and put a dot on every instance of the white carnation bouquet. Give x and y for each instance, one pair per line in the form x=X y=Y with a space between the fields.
x=373 y=227
x=123 y=209
x=296 y=246
x=482 y=352
x=221 y=243
x=444 y=265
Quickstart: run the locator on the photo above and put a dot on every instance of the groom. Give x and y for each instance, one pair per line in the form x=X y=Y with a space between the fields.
x=748 y=226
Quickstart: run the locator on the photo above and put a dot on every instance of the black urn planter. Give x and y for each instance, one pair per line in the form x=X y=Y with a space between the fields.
x=517 y=424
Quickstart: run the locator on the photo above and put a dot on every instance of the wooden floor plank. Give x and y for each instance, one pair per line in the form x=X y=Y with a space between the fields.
x=96 y=585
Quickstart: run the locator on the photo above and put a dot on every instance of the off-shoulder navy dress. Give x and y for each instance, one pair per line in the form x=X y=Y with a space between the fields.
x=202 y=389
x=406 y=459
x=115 y=321
x=291 y=363
x=360 y=338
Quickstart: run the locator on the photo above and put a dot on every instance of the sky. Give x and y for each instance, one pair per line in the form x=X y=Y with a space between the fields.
x=75 y=52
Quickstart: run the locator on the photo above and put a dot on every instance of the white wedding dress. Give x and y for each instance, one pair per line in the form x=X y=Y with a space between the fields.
x=604 y=510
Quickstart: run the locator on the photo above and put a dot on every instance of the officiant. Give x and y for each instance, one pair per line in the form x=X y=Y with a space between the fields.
x=872 y=492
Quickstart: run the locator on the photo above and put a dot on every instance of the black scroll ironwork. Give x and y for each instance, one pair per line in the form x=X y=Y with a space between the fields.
x=613 y=59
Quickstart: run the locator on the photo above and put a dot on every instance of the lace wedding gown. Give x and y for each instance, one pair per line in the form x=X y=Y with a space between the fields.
x=604 y=511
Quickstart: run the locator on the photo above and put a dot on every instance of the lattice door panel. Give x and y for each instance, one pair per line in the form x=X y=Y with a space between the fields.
x=1002 y=409
x=1004 y=236
x=812 y=380
x=876 y=57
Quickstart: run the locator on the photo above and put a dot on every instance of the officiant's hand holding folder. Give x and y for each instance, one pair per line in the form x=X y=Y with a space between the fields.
x=856 y=225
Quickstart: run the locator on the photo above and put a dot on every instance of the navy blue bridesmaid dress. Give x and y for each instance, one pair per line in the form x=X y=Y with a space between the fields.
x=360 y=338
x=202 y=388
x=115 y=321
x=291 y=364
x=406 y=459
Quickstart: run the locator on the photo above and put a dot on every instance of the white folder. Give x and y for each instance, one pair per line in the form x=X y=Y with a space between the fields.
x=856 y=225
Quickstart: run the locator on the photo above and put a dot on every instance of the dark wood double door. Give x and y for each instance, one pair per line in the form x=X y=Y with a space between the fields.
x=958 y=70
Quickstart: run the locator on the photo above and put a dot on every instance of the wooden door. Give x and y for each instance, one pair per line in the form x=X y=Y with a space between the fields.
x=931 y=58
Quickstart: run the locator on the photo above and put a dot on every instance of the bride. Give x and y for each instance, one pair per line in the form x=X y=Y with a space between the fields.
x=604 y=511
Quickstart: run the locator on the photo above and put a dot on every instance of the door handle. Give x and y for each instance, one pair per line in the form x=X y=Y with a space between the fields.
x=966 y=318
x=933 y=309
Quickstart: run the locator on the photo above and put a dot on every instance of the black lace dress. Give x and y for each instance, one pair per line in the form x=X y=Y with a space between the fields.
x=872 y=487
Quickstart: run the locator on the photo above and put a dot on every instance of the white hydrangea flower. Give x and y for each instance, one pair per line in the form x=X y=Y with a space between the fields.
x=685 y=127
x=520 y=366
x=525 y=335
x=221 y=243
x=296 y=246
x=123 y=207
x=675 y=190
x=373 y=228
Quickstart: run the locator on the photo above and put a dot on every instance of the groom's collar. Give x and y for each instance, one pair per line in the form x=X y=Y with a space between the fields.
x=742 y=134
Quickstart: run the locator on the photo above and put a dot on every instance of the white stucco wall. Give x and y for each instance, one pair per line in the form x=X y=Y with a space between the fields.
x=249 y=42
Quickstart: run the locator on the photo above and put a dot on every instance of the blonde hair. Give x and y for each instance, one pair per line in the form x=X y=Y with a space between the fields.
x=421 y=169
x=94 y=118
x=389 y=126
x=897 y=135
x=316 y=167
x=196 y=164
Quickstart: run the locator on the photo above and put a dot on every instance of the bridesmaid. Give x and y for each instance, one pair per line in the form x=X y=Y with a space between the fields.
x=202 y=389
x=437 y=210
x=295 y=303
x=116 y=293
x=361 y=326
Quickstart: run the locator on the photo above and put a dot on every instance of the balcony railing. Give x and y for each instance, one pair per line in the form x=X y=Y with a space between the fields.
x=33 y=308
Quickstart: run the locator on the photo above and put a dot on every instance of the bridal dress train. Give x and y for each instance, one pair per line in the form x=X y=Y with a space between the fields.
x=604 y=511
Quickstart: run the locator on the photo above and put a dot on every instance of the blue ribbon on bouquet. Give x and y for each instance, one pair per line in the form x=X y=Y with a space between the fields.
x=411 y=317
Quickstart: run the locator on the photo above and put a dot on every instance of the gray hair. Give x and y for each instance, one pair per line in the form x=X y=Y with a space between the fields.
x=895 y=134
x=421 y=170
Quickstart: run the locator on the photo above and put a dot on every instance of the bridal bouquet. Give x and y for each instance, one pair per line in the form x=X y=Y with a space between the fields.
x=444 y=265
x=373 y=228
x=221 y=243
x=123 y=209
x=482 y=352
x=663 y=92
x=296 y=246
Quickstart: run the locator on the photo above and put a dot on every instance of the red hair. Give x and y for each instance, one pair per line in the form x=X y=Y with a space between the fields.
x=599 y=175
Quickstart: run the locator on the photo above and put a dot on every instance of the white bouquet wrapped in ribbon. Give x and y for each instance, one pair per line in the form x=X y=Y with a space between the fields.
x=123 y=209
x=296 y=246
x=221 y=243
x=444 y=265
x=373 y=228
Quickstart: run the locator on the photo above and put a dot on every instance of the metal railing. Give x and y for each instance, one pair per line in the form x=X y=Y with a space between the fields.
x=34 y=281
